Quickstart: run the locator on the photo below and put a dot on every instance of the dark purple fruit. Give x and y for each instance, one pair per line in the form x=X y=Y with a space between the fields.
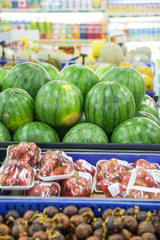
x=149 y=236
x=42 y=222
x=156 y=225
x=154 y=218
x=107 y=213
x=126 y=234
x=1 y=219
x=41 y=235
x=51 y=211
x=92 y=238
x=99 y=233
x=97 y=224
x=83 y=231
x=144 y=227
x=119 y=212
x=70 y=211
x=130 y=223
x=87 y=213
x=136 y=238
x=4 y=229
x=34 y=228
x=11 y=216
x=115 y=237
x=130 y=211
x=20 y=221
x=77 y=219
x=141 y=216
x=28 y=215
x=114 y=224
x=62 y=221
x=19 y=231
x=56 y=235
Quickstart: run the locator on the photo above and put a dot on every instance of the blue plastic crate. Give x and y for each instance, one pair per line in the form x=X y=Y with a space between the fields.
x=96 y=204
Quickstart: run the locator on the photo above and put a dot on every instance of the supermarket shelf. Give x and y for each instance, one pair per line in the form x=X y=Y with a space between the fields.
x=28 y=10
x=126 y=14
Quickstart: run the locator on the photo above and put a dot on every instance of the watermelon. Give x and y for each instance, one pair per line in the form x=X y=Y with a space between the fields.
x=5 y=135
x=35 y=132
x=51 y=70
x=83 y=77
x=108 y=104
x=28 y=76
x=100 y=72
x=59 y=103
x=82 y=119
x=16 y=108
x=147 y=115
x=137 y=130
x=130 y=78
x=150 y=101
x=86 y=133
x=3 y=73
x=149 y=109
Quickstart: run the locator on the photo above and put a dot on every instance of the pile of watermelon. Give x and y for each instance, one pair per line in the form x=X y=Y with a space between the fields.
x=77 y=105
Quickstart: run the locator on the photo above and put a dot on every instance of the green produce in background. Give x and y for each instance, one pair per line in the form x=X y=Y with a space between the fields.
x=83 y=77
x=5 y=135
x=108 y=104
x=28 y=76
x=130 y=78
x=137 y=130
x=51 y=70
x=35 y=132
x=86 y=133
x=59 y=103
x=16 y=108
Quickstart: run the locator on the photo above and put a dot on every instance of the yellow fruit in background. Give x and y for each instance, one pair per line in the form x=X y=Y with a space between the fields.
x=126 y=64
x=148 y=82
x=91 y=67
x=97 y=45
x=145 y=70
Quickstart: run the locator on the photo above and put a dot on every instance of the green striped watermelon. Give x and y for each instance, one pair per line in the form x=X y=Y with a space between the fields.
x=86 y=133
x=35 y=132
x=82 y=119
x=59 y=103
x=28 y=76
x=3 y=73
x=100 y=72
x=83 y=77
x=147 y=115
x=150 y=101
x=137 y=130
x=107 y=104
x=16 y=108
x=51 y=70
x=129 y=77
x=4 y=133
x=148 y=109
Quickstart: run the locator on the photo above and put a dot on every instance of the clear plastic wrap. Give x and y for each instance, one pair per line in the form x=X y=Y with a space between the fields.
x=83 y=166
x=29 y=152
x=79 y=185
x=55 y=165
x=41 y=189
x=16 y=175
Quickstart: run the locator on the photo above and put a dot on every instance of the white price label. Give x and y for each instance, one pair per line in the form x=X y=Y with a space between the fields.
x=156 y=177
x=123 y=163
x=114 y=189
x=86 y=49
x=86 y=165
x=84 y=175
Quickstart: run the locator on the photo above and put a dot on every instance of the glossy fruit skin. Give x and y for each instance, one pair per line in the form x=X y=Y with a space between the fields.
x=148 y=109
x=4 y=134
x=35 y=132
x=83 y=77
x=100 y=72
x=137 y=130
x=51 y=70
x=28 y=76
x=108 y=104
x=59 y=104
x=130 y=78
x=148 y=115
x=16 y=108
x=86 y=133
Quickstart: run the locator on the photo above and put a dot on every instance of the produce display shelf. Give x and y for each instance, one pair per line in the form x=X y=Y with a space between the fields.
x=51 y=11
x=97 y=205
